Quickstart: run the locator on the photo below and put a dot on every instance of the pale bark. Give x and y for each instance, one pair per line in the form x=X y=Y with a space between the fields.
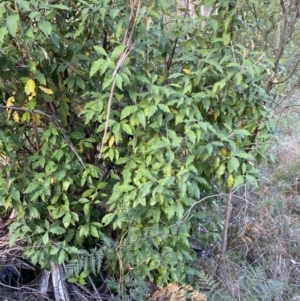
x=59 y=284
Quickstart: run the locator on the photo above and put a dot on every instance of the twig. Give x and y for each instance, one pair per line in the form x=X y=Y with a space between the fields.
x=95 y=289
x=129 y=46
x=226 y=223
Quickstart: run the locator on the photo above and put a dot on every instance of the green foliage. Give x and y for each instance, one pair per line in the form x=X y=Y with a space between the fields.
x=175 y=107
x=87 y=262
x=256 y=286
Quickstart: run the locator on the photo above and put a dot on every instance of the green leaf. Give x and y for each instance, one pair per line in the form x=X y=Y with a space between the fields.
x=32 y=187
x=57 y=230
x=239 y=180
x=83 y=200
x=86 y=209
x=145 y=189
x=179 y=210
x=117 y=51
x=125 y=188
x=100 y=50
x=84 y=231
x=127 y=129
x=14 y=193
x=233 y=164
x=119 y=81
x=94 y=231
x=220 y=171
x=97 y=65
x=108 y=218
x=128 y=111
x=242 y=133
x=171 y=211
x=23 y=4
x=12 y=22
x=45 y=238
x=62 y=257
x=45 y=27
x=38 y=75
x=107 y=82
x=164 y=108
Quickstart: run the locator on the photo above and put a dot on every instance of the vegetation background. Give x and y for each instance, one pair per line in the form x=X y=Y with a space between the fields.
x=149 y=150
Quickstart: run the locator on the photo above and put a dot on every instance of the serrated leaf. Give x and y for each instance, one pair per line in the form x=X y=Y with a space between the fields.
x=38 y=75
x=100 y=50
x=145 y=189
x=45 y=27
x=30 y=87
x=119 y=81
x=12 y=22
x=127 y=129
x=80 y=83
x=117 y=51
x=14 y=193
x=107 y=82
x=96 y=66
x=32 y=187
x=164 y=108
x=125 y=188
x=107 y=219
x=128 y=111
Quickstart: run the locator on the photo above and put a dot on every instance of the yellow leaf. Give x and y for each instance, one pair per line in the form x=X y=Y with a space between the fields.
x=215 y=115
x=16 y=117
x=111 y=141
x=223 y=151
x=37 y=118
x=10 y=101
x=81 y=147
x=186 y=71
x=46 y=90
x=230 y=181
x=30 y=87
x=251 y=163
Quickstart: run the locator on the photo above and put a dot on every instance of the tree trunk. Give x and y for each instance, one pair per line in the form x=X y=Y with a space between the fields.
x=59 y=284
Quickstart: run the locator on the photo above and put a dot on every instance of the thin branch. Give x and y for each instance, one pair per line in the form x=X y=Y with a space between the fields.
x=129 y=46
x=289 y=76
x=169 y=62
x=226 y=223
